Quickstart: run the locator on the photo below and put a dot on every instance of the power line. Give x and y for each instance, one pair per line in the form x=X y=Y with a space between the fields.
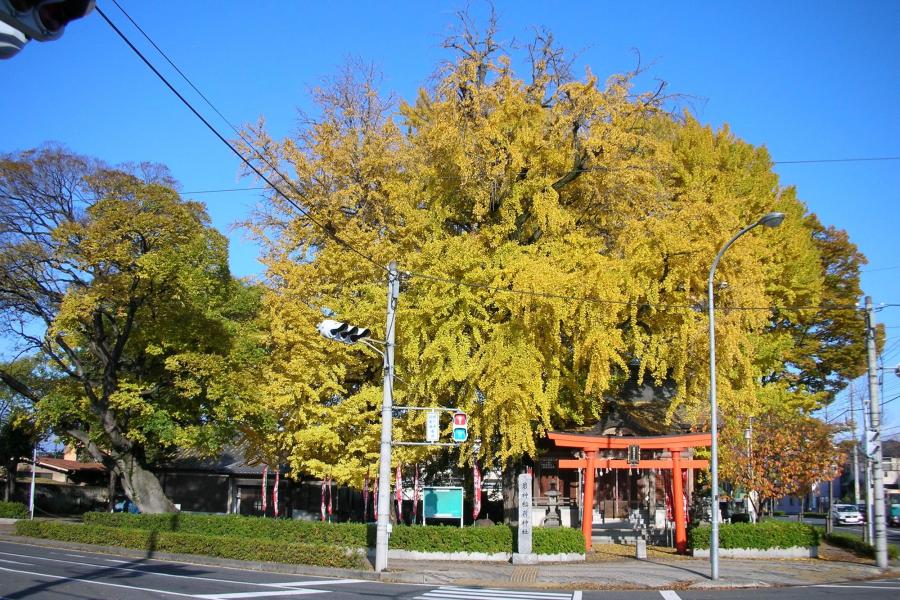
x=835 y=160
x=246 y=189
x=303 y=212
x=880 y=269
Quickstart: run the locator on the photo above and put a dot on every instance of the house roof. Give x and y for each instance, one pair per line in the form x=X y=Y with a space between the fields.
x=69 y=466
x=230 y=461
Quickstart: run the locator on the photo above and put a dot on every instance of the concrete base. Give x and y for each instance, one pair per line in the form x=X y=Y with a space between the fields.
x=795 y=552
x=524 y=559
x=454 y=556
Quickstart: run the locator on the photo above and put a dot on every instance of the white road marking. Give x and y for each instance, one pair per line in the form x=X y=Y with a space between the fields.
x=76 y=555
x=92 y=582
x=576 y=595
x=264 y=594
x=16 y=562
x=121 y=562
x=492 y=594
x=859 y=587
x=669 y=595
x=147 y=571
x=290 y=584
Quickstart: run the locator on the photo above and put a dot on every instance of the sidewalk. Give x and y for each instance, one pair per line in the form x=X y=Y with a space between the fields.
x=630 y=573
x=619 y=573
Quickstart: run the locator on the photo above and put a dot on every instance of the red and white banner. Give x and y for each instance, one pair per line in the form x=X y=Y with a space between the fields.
x=322 y=508
x=398 y=492
x=375 y=496
x=366 y=497
x=415 y=493
x=330 y=484
x=275 y=491
x=476 y=496
x=265 y=487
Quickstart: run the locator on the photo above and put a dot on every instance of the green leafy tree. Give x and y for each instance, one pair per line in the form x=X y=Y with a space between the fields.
x=124 y=290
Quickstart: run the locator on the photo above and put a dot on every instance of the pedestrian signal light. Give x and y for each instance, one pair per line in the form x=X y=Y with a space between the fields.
x=460 y=427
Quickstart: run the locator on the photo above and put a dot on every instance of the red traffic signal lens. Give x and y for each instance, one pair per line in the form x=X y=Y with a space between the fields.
x=460 y=419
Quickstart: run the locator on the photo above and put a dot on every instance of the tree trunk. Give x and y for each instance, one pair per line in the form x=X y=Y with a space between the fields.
x=141 y=486
x=510 y=494
x=9 y=489
x=111 y=491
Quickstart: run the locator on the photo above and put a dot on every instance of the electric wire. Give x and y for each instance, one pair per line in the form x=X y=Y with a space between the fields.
x=245 y=189
x=307 y=214
x=302 y=211
x=835 y=160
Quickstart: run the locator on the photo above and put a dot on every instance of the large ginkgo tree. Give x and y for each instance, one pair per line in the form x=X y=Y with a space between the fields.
x=554 y=234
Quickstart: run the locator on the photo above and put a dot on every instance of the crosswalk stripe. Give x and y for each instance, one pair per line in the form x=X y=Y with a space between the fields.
x=449 y=592
x=288 y=584
x=858 y=587
x=669 y=595
x=263 y=594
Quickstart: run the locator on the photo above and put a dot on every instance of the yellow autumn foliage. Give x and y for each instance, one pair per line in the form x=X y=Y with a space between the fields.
x=555 y=236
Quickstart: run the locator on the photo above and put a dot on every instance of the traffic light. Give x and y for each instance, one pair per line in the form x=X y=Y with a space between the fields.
x=41 y=20
x=634 y=454
x=460 y=427
x=342 y=332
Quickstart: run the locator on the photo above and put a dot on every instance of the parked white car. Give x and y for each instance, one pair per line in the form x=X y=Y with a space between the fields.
x=846 y=514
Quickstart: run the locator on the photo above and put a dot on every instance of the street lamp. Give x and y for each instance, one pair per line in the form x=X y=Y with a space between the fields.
x=772 y=219
x=348 y=334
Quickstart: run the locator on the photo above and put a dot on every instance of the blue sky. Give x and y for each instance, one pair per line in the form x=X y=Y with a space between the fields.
x=809 y=80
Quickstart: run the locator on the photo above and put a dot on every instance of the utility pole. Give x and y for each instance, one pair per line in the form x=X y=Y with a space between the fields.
x=855 y=449
x=874 y=438
x=382 y=531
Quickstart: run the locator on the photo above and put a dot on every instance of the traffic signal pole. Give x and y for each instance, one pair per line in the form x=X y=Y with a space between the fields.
x=877 y=514
x=384 y=467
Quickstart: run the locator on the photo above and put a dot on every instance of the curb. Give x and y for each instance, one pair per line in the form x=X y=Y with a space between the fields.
x=426 y=577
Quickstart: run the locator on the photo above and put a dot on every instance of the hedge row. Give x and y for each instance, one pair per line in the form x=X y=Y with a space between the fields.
x=352 y=535
x=186 y=543
x=434 y=538
x=446 y=538
x=13 y=510
x=857 y=546
x=762 y=536
x=557 y=540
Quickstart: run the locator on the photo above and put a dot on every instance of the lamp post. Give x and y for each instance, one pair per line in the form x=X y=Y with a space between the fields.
x=772 y=219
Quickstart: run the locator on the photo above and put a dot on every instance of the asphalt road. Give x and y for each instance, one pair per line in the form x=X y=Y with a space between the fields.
x=46 y=574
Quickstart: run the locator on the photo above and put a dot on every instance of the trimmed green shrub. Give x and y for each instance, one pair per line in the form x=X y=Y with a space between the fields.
x=185 y=543
x=857 y=546
x=433 y=538
x=557 y=540
x=352 y=535
x=761 y=536
x=13 y=510
x=446 y=538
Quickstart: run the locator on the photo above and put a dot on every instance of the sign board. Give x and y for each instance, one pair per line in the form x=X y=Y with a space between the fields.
x=432 y=426
x=524 y=487
x=443 y=503
x=872 y=443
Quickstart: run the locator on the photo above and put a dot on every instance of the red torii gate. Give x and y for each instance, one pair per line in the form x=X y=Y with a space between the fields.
x=591 y=444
